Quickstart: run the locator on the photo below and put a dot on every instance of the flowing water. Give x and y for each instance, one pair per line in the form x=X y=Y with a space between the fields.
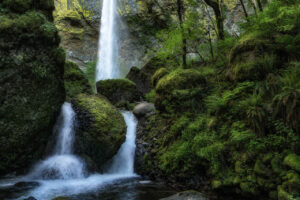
x=63 y=173
x=108 y=44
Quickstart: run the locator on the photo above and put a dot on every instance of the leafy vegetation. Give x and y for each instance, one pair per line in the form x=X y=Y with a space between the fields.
x=233 y=116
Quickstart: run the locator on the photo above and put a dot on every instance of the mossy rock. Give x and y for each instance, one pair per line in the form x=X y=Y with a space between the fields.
x=158 y=75
x=32 y=89
x=292 y=161
x=118 y=91
x=181 y=89
x=75 y=81
x=283 y=195
x=249 y=188
x=143 y=77
x=261 y=169
x=101 y=128
x=253 y=58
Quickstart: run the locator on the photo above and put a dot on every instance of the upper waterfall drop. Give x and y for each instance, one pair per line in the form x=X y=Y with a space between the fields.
x=108 y=43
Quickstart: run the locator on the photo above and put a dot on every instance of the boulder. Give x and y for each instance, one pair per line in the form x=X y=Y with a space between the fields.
x=292 y=161
x=143 y=77
x=100 y=129
x=180 y=90
x=187 y=195
x=32 y=89
x=118 y=91
x=143 y=109
x=158 y=75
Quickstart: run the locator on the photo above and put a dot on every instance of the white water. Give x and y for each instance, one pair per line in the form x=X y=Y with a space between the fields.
x=108 y=44
x=62 y=165
x=123 y=162
x=63 y=173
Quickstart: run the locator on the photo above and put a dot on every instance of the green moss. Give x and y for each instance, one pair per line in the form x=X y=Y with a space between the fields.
x=6 y=23
x=292 y=161
x=49 y=32
x=179 y=79
x=118 y=91
x=216 y=184
x=32 y=89
x=150 y=97
x=18 y=5
x=75 y=81
x=255 y=69
x=180 y=90
x=283 y=195
x=261 y=169
x=158 y=75
x=249 y=188
x=90 y=73
x=102 y=128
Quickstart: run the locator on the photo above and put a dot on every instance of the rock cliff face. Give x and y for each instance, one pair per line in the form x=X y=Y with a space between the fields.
x=32 y=88
x=78 y=24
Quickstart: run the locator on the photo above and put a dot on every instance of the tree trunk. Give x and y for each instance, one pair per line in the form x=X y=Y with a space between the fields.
x=214 y=4
x=244 y=8
x=259 y=5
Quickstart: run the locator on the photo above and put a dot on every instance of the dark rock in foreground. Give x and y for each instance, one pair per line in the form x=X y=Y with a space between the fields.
x=187 y=195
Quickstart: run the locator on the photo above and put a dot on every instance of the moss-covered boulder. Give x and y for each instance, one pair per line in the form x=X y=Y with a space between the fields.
x=158 y=75
x=292 y=161
x=118 y=91
x=101 y=129
x=254 y=57
x=143 y=77
x=75 y=81
x=179 y=90
x=31 y=77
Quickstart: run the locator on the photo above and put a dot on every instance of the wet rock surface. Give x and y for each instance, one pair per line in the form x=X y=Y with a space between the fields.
x=187 y=195
x=143 y=109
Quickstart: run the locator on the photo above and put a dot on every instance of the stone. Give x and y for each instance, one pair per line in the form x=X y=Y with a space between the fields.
x=100 y=129
x=187 y=195
x=292 y=161
x=30 y=198
x=32 y=88
x=143 y=77
x=61 y=198
x=143 y=109
x=118 y=91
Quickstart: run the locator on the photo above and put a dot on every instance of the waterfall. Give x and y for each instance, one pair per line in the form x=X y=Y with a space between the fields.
x=62 y=164
x=123 y=162
x=63 y=173
x=108 y=44
x=65 y=137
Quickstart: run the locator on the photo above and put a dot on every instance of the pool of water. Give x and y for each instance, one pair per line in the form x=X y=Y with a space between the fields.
x=97 y=187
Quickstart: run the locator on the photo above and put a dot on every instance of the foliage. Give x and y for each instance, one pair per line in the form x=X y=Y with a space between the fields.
x=90 y=73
